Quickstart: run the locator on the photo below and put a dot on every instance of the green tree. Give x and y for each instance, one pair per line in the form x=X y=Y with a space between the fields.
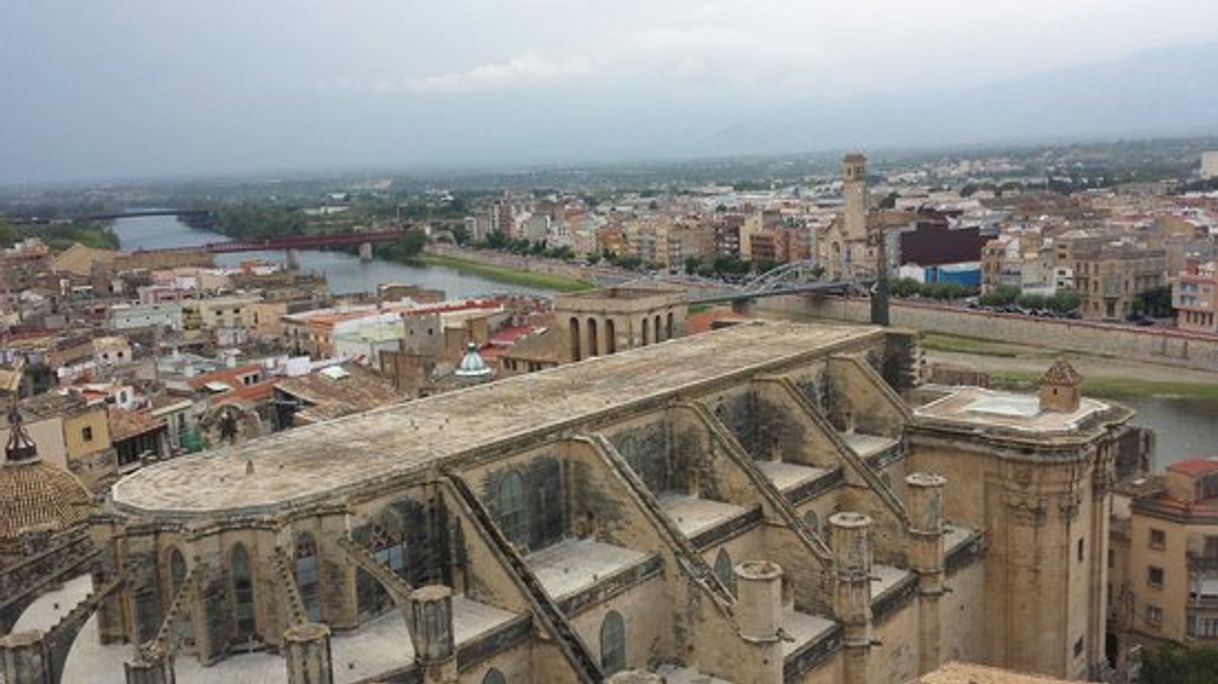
x=1028 y=300
x=890 y=200
x=905 y=287
x=1064 y=301
x=1174 y=665
x=1000 y=296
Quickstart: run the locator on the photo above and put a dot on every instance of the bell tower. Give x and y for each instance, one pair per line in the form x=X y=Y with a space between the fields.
x=854 y=196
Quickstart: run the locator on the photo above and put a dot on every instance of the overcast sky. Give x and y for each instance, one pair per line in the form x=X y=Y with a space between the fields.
x=97 y=89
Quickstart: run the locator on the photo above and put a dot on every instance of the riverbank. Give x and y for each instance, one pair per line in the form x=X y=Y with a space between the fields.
x=1019 y=367
x=504 y=275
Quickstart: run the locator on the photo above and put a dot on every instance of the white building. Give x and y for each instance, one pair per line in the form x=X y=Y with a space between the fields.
x=1209 y=164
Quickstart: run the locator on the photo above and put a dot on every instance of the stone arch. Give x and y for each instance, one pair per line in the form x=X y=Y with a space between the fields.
x=494 y=676
x=241 y=575
x=724 y=570
x=658 y=329
x=646 y=332
x=613 y=643
x=593 y=343
x=668 y=330
x=307 y=572
x=573 y=338
x=610 y=336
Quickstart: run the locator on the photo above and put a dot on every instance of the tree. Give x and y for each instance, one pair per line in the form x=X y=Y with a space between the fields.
x=1030 y=301
x=905 y=287
x=692 y=264
x=1156 y=302
x=1174 y=665
x=1064 y=301
x=406 y=248
x=890 y=200
x=1003 y=295
x=8 y=235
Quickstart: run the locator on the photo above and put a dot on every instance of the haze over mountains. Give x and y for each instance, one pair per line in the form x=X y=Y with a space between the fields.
x=1162 y=92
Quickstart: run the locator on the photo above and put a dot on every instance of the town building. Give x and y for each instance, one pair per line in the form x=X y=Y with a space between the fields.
x=602 y=322
x=1194 y=296
x=1111 y=276
x=1165 y=583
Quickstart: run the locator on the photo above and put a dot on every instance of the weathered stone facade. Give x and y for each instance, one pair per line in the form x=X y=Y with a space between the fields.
x=759 y=504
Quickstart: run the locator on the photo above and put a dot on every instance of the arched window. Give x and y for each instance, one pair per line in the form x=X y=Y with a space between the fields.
x=573 y=335
x=593 y=346
x=646 y=335
x=659 y=331
x=613 y=643
x=668 y=329
x=494 y=676
x=177 y=572
x=813 y=521
x=723 y=570
x=306 y=574
x=513 y=517
x=610 y=336
x=243 y=593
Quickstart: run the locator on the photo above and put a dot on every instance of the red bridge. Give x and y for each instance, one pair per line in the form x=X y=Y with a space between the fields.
x=291 y=242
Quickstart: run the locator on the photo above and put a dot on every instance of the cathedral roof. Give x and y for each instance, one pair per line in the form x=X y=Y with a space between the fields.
x=1061 y=373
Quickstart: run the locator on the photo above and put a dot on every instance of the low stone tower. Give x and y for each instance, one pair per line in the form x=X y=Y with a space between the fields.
x=759 y=612
x=1060 y=388
x=851 y=543
x=925 y=502
x=431 y=627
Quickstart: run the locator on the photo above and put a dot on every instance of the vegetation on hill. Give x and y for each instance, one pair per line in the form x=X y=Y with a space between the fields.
x=61 y=235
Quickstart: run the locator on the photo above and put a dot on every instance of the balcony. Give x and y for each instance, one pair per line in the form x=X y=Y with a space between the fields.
x=1205 y=565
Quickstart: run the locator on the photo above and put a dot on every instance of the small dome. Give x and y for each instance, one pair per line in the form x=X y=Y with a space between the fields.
x=472 y=366
x=37 y=496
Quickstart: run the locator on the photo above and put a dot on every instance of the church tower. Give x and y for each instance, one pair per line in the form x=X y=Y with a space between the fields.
x=854 y=193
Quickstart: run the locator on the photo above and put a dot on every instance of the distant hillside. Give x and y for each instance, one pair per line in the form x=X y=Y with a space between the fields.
x=1172 y=91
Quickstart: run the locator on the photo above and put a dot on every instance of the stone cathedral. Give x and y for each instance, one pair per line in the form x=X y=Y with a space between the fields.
x=767 y=503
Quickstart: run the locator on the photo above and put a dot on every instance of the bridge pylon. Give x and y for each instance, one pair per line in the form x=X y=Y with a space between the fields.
x=293 y=259
x=365 y=252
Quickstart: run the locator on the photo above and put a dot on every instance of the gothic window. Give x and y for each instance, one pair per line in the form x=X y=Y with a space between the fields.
x=306 y=574
x=668 y=331
x=646 y=332
x=813 y=521
x=613 y=643
x=723 y=570
x=657 y=329
x=243 y=593
x=494 y=676
x=513 y=518
x=389 y=547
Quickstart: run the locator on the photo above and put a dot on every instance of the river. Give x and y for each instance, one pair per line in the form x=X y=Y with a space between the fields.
x=1185 y=427
x=345 y=272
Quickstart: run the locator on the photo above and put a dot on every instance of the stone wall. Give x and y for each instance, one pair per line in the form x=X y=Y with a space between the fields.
x=534 y=264
x=1171 y=347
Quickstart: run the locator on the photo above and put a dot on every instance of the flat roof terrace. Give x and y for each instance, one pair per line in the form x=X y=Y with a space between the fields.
x=984 y=408
x=309 y=464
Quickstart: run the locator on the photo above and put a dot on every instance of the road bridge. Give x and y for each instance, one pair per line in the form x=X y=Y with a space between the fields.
x=292 y=244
